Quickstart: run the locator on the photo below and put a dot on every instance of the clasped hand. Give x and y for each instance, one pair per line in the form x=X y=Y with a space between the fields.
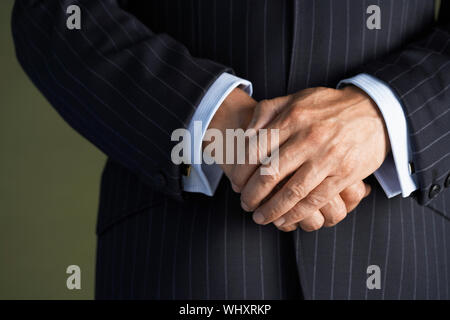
x=328 y=142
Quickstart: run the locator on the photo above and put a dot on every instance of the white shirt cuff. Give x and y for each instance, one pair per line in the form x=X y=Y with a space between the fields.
x=204 y=178
x=395 y=174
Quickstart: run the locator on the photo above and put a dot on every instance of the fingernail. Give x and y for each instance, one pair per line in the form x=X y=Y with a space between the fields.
x=235 y=188
x=244 y=206
x=279 y=222
x=258 y=217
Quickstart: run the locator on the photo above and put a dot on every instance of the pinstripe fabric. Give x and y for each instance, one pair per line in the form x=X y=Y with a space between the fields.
x=129 y=78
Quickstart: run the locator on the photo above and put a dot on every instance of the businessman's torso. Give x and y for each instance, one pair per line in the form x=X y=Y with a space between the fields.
x=282 y=47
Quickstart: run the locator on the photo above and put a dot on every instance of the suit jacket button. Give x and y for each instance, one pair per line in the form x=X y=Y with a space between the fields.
x=434 y=190
x=447 y=181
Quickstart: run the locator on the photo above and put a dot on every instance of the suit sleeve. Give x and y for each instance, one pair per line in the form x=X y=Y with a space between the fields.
x=419 y=75
x=120 y=85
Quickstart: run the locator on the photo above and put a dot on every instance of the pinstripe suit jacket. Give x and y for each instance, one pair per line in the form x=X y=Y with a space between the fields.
x=137 y=70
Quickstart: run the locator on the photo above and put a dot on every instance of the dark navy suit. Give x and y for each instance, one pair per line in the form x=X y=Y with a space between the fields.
x=137 y=70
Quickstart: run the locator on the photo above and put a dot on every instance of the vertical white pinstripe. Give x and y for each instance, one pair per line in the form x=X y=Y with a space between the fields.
x=208 y=227
x=261 y=261
x=414 y=11
x=330 y=39
x=147 y=252
x=375 y=47
x=108 y=262
x=333 y=262
x=313 y=29
x=244 y=265
x=389 y=30
x=293 y=63
x=113 y=250
x=191 y=239
x=347 y=34
x=363 y=41
x=280 y=282
x=161 y=254
x=425 y=251
x=402 y=263
x=215 y=29
x=135 y=242
x=414 y=247
x=386 y=261
x=124 y=237
x=230 y=35
x=352 y=244
x=265 y=49
x=174 y=257
x=283 y=44
x=444 y=238
x=372 y=219
x=225 y=240
x=438 y=278
x=316 y=244
x=402 y=19
x=244 y=269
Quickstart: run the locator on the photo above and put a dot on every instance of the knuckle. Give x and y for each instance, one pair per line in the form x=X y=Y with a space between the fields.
x=346 y=169
x=355 y=197
x=297 y=111
x=315 y=199
x=295 y=192
x=288 y=228
x=355 y=193
x=271 y=213
x=337 y=151
x=248 y=198
x=360 y=192
x=312 y=226
x=296 y=214
x=337 y=217
x=264 y=104
x=317 y=134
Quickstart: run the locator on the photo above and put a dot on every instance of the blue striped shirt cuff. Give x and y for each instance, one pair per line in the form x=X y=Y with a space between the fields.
x=204 y=178
x=395 y=174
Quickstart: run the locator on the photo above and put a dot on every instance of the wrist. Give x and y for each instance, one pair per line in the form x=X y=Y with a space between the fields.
x=371 y=108
x=235 y=112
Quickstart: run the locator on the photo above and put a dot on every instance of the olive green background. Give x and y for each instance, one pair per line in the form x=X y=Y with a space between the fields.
x=49 y=186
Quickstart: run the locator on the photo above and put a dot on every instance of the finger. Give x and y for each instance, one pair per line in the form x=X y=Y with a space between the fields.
x=291 y=156
x=353 y=194
x=316 y=199
x=313 y=222
x=307 y=177
x=260 y=147
x=334 y=211
x=290 y=228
